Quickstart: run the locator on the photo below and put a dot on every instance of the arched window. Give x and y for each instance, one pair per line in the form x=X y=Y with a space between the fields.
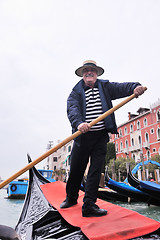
x=132 y=142
x=126 y=143
x=125 y=131
x=148 y=155
x=158 y=133
x=140 y=140
x=121 y=146
x=133 y=156
x=145 y=122
x=120 y=132
x=138 y=125
x=131 y=128
x=147 y=137
x=158 y=116
x=117 y=147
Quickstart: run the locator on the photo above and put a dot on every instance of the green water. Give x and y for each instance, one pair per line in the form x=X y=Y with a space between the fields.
x=142 y=208
x=10 y=209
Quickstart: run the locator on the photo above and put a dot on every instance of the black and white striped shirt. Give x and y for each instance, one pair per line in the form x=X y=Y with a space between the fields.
x=94 y=108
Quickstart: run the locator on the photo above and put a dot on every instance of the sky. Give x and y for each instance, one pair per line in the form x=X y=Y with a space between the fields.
x=43 y=42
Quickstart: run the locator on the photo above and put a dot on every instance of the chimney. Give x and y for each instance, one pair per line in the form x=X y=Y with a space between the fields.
x=129 y=116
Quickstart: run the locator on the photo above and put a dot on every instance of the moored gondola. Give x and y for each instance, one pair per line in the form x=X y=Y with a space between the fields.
x=130 y=191
x=150 y=188
x=107 y=193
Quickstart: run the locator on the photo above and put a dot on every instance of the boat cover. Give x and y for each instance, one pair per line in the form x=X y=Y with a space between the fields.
x=120 y=223
x=150 y=185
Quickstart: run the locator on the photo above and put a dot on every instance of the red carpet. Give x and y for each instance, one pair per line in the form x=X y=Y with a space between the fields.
x=120 y=223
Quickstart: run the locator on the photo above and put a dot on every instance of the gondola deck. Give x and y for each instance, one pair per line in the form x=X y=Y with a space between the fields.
x=119 y=223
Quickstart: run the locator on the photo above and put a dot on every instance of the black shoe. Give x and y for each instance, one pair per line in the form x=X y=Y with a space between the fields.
x=93 y=211
x=68 y=203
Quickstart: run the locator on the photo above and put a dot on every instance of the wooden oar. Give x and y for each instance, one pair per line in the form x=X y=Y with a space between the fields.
x=61 y=144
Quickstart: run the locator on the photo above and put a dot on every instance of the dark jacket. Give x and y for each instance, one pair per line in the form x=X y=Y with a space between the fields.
x=76 y=103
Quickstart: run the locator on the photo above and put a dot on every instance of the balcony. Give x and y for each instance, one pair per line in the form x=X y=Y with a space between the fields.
x=146 y=145
x=126 y=151
x=135 y=148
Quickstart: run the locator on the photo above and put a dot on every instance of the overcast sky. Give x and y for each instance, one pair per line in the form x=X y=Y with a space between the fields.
x=43 y=42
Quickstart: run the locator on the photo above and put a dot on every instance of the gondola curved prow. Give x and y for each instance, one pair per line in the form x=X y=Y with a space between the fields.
x=133 y=181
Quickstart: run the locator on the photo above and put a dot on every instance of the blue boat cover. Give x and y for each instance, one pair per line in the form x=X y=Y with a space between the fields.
x=150 y=185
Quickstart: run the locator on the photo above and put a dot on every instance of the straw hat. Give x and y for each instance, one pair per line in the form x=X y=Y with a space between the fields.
x=89 y=63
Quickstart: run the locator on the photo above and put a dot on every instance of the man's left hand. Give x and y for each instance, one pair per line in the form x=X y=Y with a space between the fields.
x=139 y=90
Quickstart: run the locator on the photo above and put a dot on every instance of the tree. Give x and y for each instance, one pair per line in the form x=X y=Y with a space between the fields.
x=111 y=153
x=120 y=167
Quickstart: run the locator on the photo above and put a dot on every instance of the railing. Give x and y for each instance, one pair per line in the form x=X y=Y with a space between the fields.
x=146 y=145
x=135 y=148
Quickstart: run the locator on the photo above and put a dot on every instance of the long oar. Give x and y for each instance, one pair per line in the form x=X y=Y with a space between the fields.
x=61 y=144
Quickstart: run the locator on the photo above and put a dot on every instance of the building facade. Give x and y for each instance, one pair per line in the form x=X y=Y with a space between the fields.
x=60 y=160
x=140 y=135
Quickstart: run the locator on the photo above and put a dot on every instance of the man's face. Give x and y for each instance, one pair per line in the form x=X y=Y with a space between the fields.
x=90 y=76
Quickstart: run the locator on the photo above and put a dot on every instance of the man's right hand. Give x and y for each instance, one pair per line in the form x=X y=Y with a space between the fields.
x=84 y=127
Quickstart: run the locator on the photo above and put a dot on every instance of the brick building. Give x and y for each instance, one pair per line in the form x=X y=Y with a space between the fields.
x=140 y=134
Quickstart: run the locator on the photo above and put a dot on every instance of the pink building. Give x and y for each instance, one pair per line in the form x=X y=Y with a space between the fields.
x=140 y=134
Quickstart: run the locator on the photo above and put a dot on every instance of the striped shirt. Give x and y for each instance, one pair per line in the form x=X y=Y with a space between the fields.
x=94 y=108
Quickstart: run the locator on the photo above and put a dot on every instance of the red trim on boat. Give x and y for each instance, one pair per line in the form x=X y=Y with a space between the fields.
x=120 y=223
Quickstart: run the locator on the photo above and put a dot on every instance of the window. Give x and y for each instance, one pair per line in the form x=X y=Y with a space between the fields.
x=131 y=128
x=147 y=137
x=140 y=140
x=125 y=131
x=132 y=142
x=154 y=150
x=54 y=167
x=126 y=143
x=158 y=116
x=54 y=159
x=145 y=122
x=116 y=136
x=138 y=125
x=158 y=133
x=120 y=132
x=117 y=147
x=133 y=156
x=148 y=155
x=152 y=130
x=121 y=146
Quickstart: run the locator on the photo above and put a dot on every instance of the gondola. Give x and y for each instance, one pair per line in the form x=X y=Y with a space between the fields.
x=107 y=193
x=150 y=188
x=39 y=219
x=42 y=218
x=130 y=191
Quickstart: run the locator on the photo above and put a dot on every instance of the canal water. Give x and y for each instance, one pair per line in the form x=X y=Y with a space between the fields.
x=10 y=209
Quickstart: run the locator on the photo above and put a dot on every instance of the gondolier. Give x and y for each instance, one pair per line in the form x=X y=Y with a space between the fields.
x=89 y=98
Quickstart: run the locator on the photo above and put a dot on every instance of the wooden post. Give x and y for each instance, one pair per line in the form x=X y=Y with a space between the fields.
x=143 y=168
